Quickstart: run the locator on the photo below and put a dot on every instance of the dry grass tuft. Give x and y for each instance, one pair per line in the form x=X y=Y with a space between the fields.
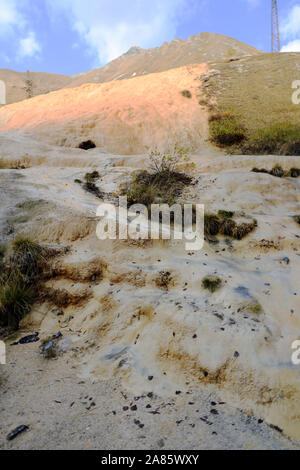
x=223 y=224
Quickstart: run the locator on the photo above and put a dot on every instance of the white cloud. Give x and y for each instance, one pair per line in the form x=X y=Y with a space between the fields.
x=290 y=30
x=111 y=27
x=29 y=46
x=292 y=46
x=291 y=25
x=10 y=16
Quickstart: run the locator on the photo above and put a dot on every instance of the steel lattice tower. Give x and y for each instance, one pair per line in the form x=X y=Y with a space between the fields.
x=275 y=27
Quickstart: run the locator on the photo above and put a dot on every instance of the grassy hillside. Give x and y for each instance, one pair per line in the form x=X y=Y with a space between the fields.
x=257 y=90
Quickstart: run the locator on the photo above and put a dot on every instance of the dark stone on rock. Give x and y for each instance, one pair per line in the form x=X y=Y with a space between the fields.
x=276 y=428
x=27 y=339
x=12 y=435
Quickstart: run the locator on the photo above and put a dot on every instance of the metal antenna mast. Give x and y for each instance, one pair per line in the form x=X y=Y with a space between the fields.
x=275 y=27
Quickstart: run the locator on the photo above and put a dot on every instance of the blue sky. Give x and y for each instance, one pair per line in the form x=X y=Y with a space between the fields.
x=73 y=36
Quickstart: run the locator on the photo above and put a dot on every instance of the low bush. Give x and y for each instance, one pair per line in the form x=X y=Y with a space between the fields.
x=90 y=185
x=225 y=130
x=163 y=182
x=278 y=171
x=223 y=224
x=211 y=283
x=294 y=172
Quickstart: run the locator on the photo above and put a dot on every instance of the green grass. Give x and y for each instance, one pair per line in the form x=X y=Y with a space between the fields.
x=211 y=283
x=257 y=90
x=282 y=138
x=225 y=129
x=21 y=272
x=16 y=298
x=253 y=307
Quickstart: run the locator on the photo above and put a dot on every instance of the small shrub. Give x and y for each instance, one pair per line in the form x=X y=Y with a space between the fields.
x=223 y=224
x=225 y=130
x=212 y=224
x=186 y=94
x=78 y=181
x=26 y=258
x=277 y=171
x=90 y=185
x=163 y=182
x=87 y=145
x=295 y=172
x=211 y=283
x=163 y=280
x=89 y=177
x=228 y=227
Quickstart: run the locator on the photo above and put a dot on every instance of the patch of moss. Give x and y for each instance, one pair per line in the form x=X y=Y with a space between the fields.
x=253 y=307
x=211 y=283
x=186 y=94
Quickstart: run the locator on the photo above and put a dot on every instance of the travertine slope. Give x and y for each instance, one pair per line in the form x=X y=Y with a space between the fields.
x=121 y=117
